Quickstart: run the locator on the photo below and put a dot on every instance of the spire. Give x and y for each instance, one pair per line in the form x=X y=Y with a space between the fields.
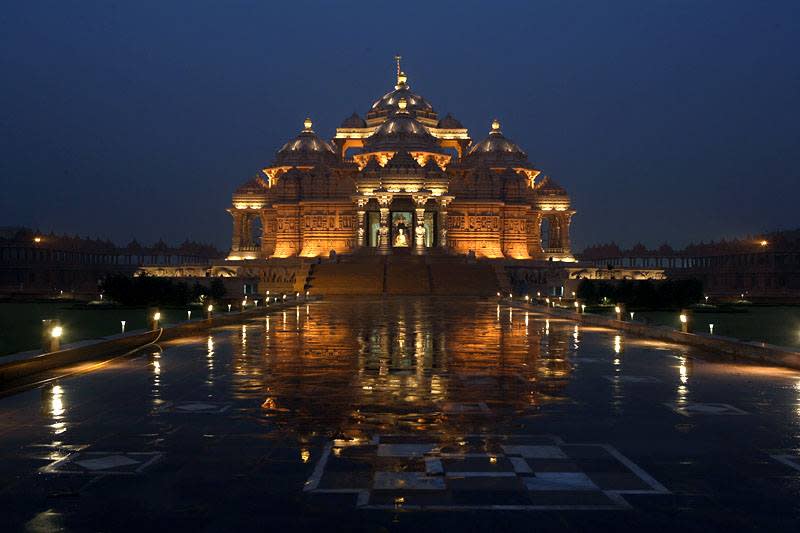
x=307 y=124
x=401 y=76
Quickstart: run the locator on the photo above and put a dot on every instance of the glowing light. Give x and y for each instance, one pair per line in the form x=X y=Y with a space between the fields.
x=617 y=309
x=527 y=297
x=229 y=308
x=576 y=305
x=56 y=332
x=617 y=344
x=37 y=240
x=684 y=319
x=583 y=308
x=122 y=323
x=763 y=243
x=305 y=455
x=210 y=308
x=493 y=460
x=632 y=313
x=510 y=295
x=188 y=315
x=711 y=329
x=157 y=316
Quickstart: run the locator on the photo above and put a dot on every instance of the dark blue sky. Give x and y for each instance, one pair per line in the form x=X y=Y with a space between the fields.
x=666 y=120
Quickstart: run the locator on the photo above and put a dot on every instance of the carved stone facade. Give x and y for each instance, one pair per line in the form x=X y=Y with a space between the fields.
x=401 y=181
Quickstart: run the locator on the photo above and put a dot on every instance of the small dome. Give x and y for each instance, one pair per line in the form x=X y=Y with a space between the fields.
x=401 y=131
x=306 y=148
x=548 y=187
x=255 y=185
x=496 y=148
x=354 y=121
x=449 y=122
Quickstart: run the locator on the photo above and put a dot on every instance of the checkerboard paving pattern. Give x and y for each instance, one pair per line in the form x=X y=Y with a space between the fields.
x=501 y=472
x=103 y=463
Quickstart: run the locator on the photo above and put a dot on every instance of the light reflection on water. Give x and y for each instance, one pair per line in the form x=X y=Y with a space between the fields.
x=398 y=364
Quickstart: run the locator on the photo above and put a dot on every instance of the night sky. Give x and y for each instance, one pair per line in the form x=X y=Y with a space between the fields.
x=665 y=120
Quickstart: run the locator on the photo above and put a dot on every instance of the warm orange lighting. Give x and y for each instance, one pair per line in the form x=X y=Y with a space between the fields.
x=763 y=243
x=56 y=332
x=37 y=240
x=684 y=318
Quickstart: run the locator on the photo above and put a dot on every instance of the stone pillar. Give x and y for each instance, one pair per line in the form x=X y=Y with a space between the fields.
x=236 y=238
x=384 y=201
x=566 y=219
x=419 y=227
x=360 y=231
x=361 y=203
x=443 y=203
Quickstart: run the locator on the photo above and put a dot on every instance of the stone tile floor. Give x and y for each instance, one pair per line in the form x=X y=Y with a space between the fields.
x=406 y=414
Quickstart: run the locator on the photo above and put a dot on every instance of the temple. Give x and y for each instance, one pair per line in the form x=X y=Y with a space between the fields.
x=401 y=180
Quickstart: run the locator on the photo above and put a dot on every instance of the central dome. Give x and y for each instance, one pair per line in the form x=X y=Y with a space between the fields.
x=388 y=103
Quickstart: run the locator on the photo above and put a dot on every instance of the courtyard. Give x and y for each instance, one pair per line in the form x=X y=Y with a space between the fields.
x=406 y=413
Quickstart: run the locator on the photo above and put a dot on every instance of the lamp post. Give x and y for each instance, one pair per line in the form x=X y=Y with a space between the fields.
x=619 y=309
x=155 y=318
x=189 y=315
x=711 y=329
x=51 y=335
x=122 y=323
x=684 y=318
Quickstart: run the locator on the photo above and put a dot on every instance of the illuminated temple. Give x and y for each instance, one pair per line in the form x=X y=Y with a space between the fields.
x=401 y=180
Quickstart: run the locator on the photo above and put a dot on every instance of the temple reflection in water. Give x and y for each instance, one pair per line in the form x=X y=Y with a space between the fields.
x=398 y=365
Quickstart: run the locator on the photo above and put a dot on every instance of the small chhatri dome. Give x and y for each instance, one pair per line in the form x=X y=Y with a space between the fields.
x=354 y=121
x=497 y=149
x=306 y=148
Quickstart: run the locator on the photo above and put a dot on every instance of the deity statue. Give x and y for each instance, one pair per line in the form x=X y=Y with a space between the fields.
x=420 y=235
x=401 y=239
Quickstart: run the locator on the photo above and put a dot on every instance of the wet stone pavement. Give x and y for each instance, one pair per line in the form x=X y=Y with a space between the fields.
x=406 y=414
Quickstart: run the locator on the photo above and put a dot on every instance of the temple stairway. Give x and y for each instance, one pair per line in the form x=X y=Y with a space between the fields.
x=362 y=276
x=407 y=274
x=404 y=274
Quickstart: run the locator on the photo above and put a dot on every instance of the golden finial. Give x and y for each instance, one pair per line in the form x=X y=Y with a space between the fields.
x=402 y=104
x=496 y=125
x=307 y=123
x=398 y=58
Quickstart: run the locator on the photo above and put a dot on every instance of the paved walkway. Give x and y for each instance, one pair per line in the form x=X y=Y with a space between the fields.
x=406 y=414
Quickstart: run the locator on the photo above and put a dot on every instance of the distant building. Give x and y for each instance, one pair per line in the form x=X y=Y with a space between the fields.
x=765 y=268
x=39 y=264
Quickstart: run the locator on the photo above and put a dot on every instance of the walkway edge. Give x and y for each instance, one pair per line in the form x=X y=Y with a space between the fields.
x=23 y=368
x=760 y=352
